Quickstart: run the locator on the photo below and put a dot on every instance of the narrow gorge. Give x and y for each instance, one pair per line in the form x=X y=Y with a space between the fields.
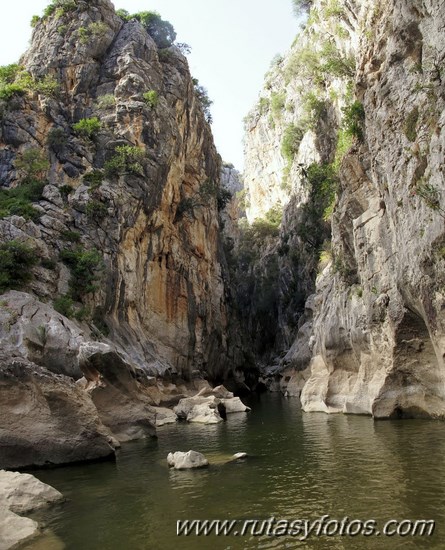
x=137 y=268
x=148 y=287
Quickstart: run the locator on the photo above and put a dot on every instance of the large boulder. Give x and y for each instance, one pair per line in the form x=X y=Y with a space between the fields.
x=234 y=405
x=199 y=409
x=118 y=390
x=19 y=494
x=186 y=461
x=23 y=493
x=46 y=419
x=14 y=528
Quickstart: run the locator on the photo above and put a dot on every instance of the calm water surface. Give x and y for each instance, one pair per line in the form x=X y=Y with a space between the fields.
x=301 y=466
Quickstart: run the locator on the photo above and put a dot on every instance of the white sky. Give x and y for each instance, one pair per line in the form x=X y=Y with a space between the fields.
x=233 y=42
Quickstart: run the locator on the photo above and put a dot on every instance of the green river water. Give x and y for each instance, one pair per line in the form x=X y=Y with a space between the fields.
x=300 y=466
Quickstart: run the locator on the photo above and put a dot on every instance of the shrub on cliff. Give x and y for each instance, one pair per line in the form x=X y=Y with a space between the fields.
x=83 y=265
x=16 y=260
x=87 y=127
x=32 y=164
x=162 y=32
x=203 y=98
x=151 y=98
x=292 y=137
x=15 y=80
x=18 y=201
x=126 y=160
x=353 y=119
x=301 y=6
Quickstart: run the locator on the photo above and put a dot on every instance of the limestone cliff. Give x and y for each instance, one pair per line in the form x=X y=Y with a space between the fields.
x=377 y=335
x=293 y=145
x=109 y=202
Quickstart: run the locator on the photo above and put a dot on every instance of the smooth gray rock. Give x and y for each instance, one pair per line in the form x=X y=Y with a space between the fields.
x=186 y=461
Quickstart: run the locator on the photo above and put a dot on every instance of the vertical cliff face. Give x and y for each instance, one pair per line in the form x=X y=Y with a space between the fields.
x=379 y=343
x=294 y=143
x=370 y=87
x=139 y=186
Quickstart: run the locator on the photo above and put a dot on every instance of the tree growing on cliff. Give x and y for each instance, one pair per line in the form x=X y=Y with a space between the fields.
x=301 y=7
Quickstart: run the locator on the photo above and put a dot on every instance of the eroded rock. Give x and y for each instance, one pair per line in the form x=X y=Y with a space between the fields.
x=186 y=461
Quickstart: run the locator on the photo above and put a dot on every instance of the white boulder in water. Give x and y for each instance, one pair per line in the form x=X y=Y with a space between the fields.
x=187 y=461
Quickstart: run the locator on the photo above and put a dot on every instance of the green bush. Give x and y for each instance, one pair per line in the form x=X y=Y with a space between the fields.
x=106 y=101
x=151 y=98
x=92 y=32
x=87 y=128
x=162 y=32
x=32 y=163
x=8 y=91
x=65 y=190
x=83 y=265
x=47 y=86
x=96 y=210
x=16 y=261
x=277 y=103
x=71 y=236
x=15 y=80
x=64 y=305
x=292 y=137
x=123 y=14
x=57 y=139
x=410 y=126
x=430 y=195
x=203 y=99
x=59 y=7
x=18 y=201
x=301 y=6
x=333 y=9
x=126 y=160
x=35 y=20
x=94 y=179
x=314 y=109
x=353 y=119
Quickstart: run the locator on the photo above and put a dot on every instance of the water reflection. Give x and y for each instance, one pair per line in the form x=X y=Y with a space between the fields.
x=300 y=466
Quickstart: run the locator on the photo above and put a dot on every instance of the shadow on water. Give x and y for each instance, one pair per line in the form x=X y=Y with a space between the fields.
x=300 y=466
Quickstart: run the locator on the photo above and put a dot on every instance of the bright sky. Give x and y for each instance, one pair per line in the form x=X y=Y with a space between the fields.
x=233 y=42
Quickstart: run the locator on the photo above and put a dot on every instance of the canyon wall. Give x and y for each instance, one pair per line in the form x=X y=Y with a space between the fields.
x=373 y=340
x=110 y=216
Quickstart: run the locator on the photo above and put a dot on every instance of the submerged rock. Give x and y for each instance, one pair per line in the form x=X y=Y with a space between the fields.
x=239 y=456
x=186 y=461
x=14 y=528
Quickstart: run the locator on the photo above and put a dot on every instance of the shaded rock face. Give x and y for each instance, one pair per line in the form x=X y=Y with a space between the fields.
x=114 y=396
x=160 y=291
x=46 y=419
x=293 y=128
x=118 y=392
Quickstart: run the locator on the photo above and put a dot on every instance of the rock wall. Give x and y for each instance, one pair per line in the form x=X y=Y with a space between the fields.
x=292 y=144
x=161 y=292
x=102 y=116
x=371 y=340
x=379 y=343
